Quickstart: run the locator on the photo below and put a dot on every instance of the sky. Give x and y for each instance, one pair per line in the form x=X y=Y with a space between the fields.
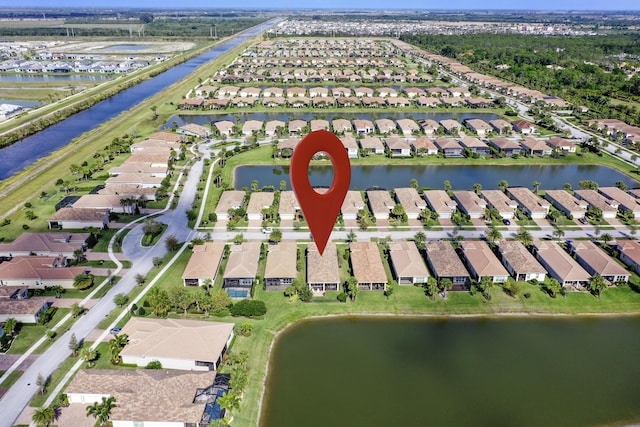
x=342 y=4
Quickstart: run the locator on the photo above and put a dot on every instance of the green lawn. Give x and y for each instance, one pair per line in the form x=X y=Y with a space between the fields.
x=55 y=378
x=11 y=379
x=30 y=333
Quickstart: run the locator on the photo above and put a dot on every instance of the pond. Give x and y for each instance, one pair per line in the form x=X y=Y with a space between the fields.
x=454 y=372
x=551 y=177
x=207 y=119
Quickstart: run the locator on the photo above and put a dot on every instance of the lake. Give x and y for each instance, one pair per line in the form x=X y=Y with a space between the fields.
x=207 y=119
x=551 y=177
x=454 y=372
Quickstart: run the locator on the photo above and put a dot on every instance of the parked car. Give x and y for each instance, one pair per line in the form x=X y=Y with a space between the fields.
x=114 y=331
x=506 y=222
x=267 y=230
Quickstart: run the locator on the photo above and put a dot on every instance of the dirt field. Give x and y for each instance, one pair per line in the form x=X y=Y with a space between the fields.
x=103 y=47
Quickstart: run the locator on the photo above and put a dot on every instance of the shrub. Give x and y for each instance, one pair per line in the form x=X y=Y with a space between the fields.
x=141 y=311
x=25 y=226
x=527 y=295
x=154 y=364
x=249 y=308
x=342 y=297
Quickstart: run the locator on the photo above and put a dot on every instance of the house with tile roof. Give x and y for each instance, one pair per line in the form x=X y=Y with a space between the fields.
x=407 y=264
x=367 y=266
x=204 y=264
x=241 y=270
x=281 y=268
x=323 y=271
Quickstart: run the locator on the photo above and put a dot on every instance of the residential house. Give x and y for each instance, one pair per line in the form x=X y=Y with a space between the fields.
x=559 y=264
x=595 y=261
x=520 y=263
x=323 y=272
x=399 y=147
x=565 y=202
x=625 y=201
x=147 y=396
x=363 y=127
x=351 y=145
x=367 y=266
x=67 y=218
x=380 y=203
x=629 y=253
x=296 y=126
x=186 y=345
x=524 y=127
x=288 y=206
x=608 y=207
x=105 y=202
x=440 y=202
x=529 y=203
x=482 y=262
x=408 y=126
x=272 y=126
x=241 y=270
x=203 y=266
x=535 y=147
x=38 y=272
x=480 y=127
x=23 y=310
x=224 y=127
x=407 y=264
x=507 y=146
x=251 y=127
x=319 y=124
x=501 y=126
x=194 y=130
x=341 y=125
x=257 y=202
x=475 y=146
x=470 y=203
x=424 y=147
x=445 y=264
x=45 y=244
x=429 y=126
x=351 y=205
x=449 y=147
x=561 y=144
x=286 y=147
x=281 y=268
x=385 y=126
x=496 y=199
x=451 y=126
x=411 y=201
x=372 y=144
x=230 y=199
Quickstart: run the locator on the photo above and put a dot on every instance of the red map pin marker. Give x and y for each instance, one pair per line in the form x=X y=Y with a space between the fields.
x=320 y=210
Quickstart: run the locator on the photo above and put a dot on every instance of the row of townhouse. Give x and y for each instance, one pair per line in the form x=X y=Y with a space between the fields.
x=61 y=67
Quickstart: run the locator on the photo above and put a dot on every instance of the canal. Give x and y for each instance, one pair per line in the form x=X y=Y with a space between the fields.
x=454 y=372
x=16 y=157
x=550 y=177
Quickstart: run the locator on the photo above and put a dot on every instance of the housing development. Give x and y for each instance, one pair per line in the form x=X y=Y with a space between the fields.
x=144 y=276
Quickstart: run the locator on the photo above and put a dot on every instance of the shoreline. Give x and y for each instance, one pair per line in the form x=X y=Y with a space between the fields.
x=523 y=314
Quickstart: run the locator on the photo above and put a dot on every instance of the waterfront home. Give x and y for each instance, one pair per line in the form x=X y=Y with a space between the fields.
x=78 y=218
x=524 y=127
x=411 y=201
x=193 y=129
x=565 y=202
x=23 y=310
x=295 y=92
x=629 y=253
x=506 y=146
x=272 y=127
x=424 y=146
x=281 y=270
x=351 y=204
x=413 y=92
x=407 y=264
x=341 y=125
x=408 y=126
x=445 y=264
x=398 y=146
x=145 y=396
x=475 y=146
x=561 y=144
x=440 y=202
x=559 y=264
x=380 y=203
x=273 y=92
x=190 y=104
x=319 y=124
x=323 y=272
x=296 y=126
x=520 y=263
x=457 y=92
x=351 y=145
x=429 y=126
x=480 y=127
x=608 y=207
x=288 y=206
x=367 y=266
x=470 y=203
x=449 y=147
x=595 y=261
x=385 y=126
x=203 y=265
x=224 y=127
x=252 y=127
x=176 y=343
x=241 y=270
x=496 y=199
x=372 y=144
x=482 y=262
x=227 y=92
x=258 y=201
x=44 y=244
x=363 y=127
x=166 y=136
x=625 y=201
x=535 y=147
x=230 y=199
x=451 y=126
x=205 y=91
x=427 y=101
x=529 y=203
x=501 y=126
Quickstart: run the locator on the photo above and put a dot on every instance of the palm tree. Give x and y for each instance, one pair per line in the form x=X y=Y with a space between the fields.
x=420 y=238
x=43 y=416
x=494 y=234
x=606 y=238
x=229 y=401
x=536 y=186
x=597 y=284
x=102 y=411
x=351 y=288
x=88 y=356
x=525 y=237
x=558 y=233
x=477 y=188
x=445 y=285
x=503 y=185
